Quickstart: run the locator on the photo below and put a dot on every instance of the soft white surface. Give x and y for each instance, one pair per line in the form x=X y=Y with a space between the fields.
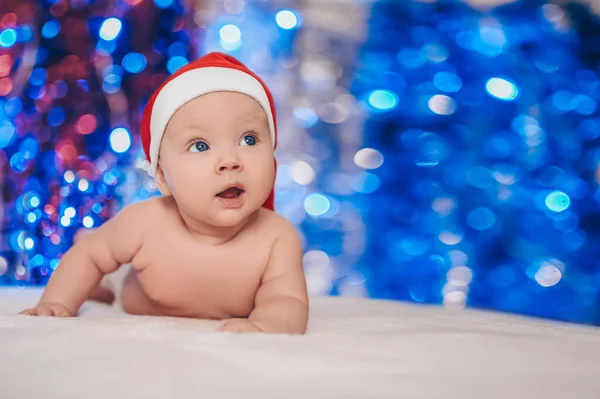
x=355 y=348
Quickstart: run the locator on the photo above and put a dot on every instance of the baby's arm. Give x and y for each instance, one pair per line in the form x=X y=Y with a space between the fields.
x=281 y=303
x=81 y=268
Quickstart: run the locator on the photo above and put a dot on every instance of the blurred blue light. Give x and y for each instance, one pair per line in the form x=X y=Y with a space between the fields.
x=42 y=55
x=17 y=240
x=230 y=33
x=557 y=201
x=502 y=89
x=18 y=162
x=447 y=82
x=37 y=260
x=586 y=105
x=481 y=218
x=491 y=41
x=414 y=246
x=54 y=263
x=316 y=204
x=83 y=185
x=8 y=38
x=69 y=176
x=466 y=39
x=29 y=200
x=383 y=100
x=7 y=132
x=573 y=240
x=411 y=58
x=88 y=222
x=29 y=147
x=502 y=276
x=435 y=52
x=286 y=19
x=96 y=208
x=110 y=29
x=109 y=178
x=305 y=116
x=177 y=49
x=24 y=33
x=112 y=69
x=70 y=212
x=175 y=63
x=28 y=243
x=589 y=129
x=564 y=101
x=61 y=88
x=111 y=83
x=50 y=29
x=36 y=92
x=442 y=104
x=104 y=46
x=83 y=84
x=163 y=3
x=13 y=106
x=231 y=37
x=134 y=62
x=367 y=183
x=56 y=116
x=120 y=140
x=34 y=202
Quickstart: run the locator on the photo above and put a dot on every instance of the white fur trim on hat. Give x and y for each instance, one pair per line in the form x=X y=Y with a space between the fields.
x=195 y=83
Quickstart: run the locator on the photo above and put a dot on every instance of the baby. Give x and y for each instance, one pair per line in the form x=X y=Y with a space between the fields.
x=211 y=246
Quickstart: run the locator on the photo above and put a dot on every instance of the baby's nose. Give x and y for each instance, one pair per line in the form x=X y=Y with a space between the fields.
x=230 y=164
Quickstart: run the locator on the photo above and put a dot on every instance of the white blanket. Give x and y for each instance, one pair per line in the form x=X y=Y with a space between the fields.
x=355 y=348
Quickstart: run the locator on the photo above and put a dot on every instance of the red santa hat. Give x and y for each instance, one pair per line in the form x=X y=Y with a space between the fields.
x=211 y=73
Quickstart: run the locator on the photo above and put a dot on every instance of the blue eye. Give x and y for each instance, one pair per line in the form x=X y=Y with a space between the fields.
x=199 y=146
x=249 y=140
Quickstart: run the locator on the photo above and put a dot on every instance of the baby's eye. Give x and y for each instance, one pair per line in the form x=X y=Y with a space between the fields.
x=199 y=146
x=248 y=140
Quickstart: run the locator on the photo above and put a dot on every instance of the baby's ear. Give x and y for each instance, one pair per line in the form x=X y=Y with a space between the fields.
x=161 y=182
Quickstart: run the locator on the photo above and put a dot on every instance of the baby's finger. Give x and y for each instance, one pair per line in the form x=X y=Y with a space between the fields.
x=29 y=312
x=62 y=313
x=45 y=312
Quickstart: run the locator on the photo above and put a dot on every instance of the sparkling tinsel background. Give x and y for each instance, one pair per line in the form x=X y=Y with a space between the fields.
x=429 y=151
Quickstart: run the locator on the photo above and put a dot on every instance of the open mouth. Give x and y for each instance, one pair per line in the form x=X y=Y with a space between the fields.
x=231 y=193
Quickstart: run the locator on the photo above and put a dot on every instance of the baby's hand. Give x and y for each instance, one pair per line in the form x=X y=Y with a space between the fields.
x=48 y=309
x=239 y=326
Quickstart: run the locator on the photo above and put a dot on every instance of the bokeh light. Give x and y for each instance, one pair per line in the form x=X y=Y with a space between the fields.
x=287 y=19
x=502 y=89
x=383 y=100
x=110 y=29
x=120 y=140
x=8 y=38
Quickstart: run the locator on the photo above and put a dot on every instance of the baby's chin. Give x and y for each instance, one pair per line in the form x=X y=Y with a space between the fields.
x=230 y=217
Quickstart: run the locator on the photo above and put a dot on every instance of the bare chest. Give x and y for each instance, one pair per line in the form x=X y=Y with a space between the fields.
x=193 y=280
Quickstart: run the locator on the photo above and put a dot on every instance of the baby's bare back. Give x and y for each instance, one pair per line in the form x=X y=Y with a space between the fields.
x=177 y=274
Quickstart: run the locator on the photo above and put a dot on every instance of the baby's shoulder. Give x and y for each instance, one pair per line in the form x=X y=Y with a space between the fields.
x=145 y=212
x=269 y=221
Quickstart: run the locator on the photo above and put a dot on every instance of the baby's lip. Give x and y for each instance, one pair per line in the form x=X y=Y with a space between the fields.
x=239 y=186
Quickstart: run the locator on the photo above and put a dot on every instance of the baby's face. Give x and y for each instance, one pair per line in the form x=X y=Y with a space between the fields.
x=212 y=142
